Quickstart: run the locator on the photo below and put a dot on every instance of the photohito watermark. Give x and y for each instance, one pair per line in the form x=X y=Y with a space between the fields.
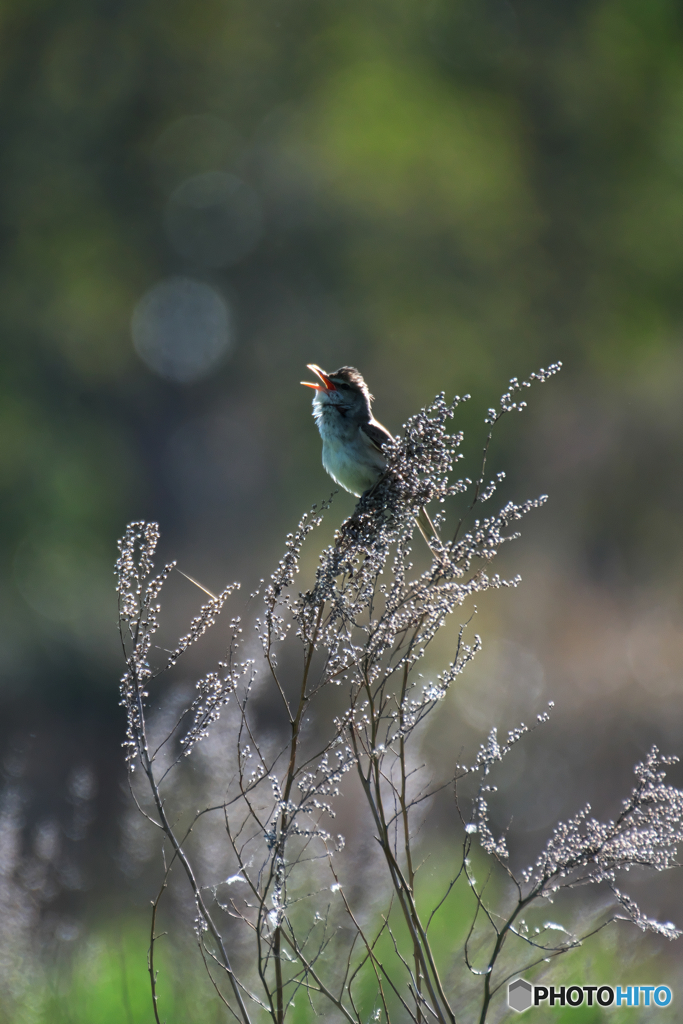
x=522 y=995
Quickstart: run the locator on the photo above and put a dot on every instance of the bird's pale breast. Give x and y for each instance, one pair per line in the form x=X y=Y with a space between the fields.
x=348 y=455
x=354 y=466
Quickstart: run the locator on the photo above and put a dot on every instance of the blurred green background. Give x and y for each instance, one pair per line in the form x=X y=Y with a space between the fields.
x=196 y=200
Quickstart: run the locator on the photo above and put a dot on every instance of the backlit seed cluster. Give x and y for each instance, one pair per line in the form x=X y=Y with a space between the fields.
x=646 y=834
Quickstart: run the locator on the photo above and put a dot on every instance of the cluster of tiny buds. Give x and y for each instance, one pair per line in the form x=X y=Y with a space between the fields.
x=507 y=402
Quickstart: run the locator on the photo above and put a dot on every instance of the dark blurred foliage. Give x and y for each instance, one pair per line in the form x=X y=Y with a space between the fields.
x=444 y=193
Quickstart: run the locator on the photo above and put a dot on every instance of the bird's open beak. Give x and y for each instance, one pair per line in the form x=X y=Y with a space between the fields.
x=326 y=385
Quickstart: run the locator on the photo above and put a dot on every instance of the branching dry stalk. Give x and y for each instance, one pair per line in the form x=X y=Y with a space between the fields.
x=304 y=928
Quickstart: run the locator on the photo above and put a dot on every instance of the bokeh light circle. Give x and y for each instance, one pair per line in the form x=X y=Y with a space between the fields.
x=182 y=329
x=214 y=219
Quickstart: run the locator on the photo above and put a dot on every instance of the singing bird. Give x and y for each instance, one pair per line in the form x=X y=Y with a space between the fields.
x=352 y=437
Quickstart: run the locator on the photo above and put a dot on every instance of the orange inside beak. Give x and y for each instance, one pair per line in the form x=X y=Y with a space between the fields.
x=326 y=385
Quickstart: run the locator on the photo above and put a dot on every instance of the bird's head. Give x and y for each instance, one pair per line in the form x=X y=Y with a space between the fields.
x=344 y=390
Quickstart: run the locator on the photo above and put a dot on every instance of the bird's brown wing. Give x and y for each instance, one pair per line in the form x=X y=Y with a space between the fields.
x=376 y=433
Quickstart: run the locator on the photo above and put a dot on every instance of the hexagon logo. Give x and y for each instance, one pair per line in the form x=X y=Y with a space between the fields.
x=519 y=995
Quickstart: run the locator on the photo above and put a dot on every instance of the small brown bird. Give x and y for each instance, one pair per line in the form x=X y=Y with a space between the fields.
x=352 y=437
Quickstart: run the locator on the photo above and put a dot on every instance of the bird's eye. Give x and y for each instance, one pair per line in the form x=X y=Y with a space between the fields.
x=344 y=387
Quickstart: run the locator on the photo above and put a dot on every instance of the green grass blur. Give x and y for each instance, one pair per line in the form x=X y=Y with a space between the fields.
x=104 y=978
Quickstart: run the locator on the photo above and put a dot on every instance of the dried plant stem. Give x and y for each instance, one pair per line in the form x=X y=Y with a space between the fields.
x=372 y=787
x=295 y=726
x=152 y=939
x=178 y=851
x=500 y=941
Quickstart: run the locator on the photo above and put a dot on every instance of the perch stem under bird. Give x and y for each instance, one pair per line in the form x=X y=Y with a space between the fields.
x=353 y=440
